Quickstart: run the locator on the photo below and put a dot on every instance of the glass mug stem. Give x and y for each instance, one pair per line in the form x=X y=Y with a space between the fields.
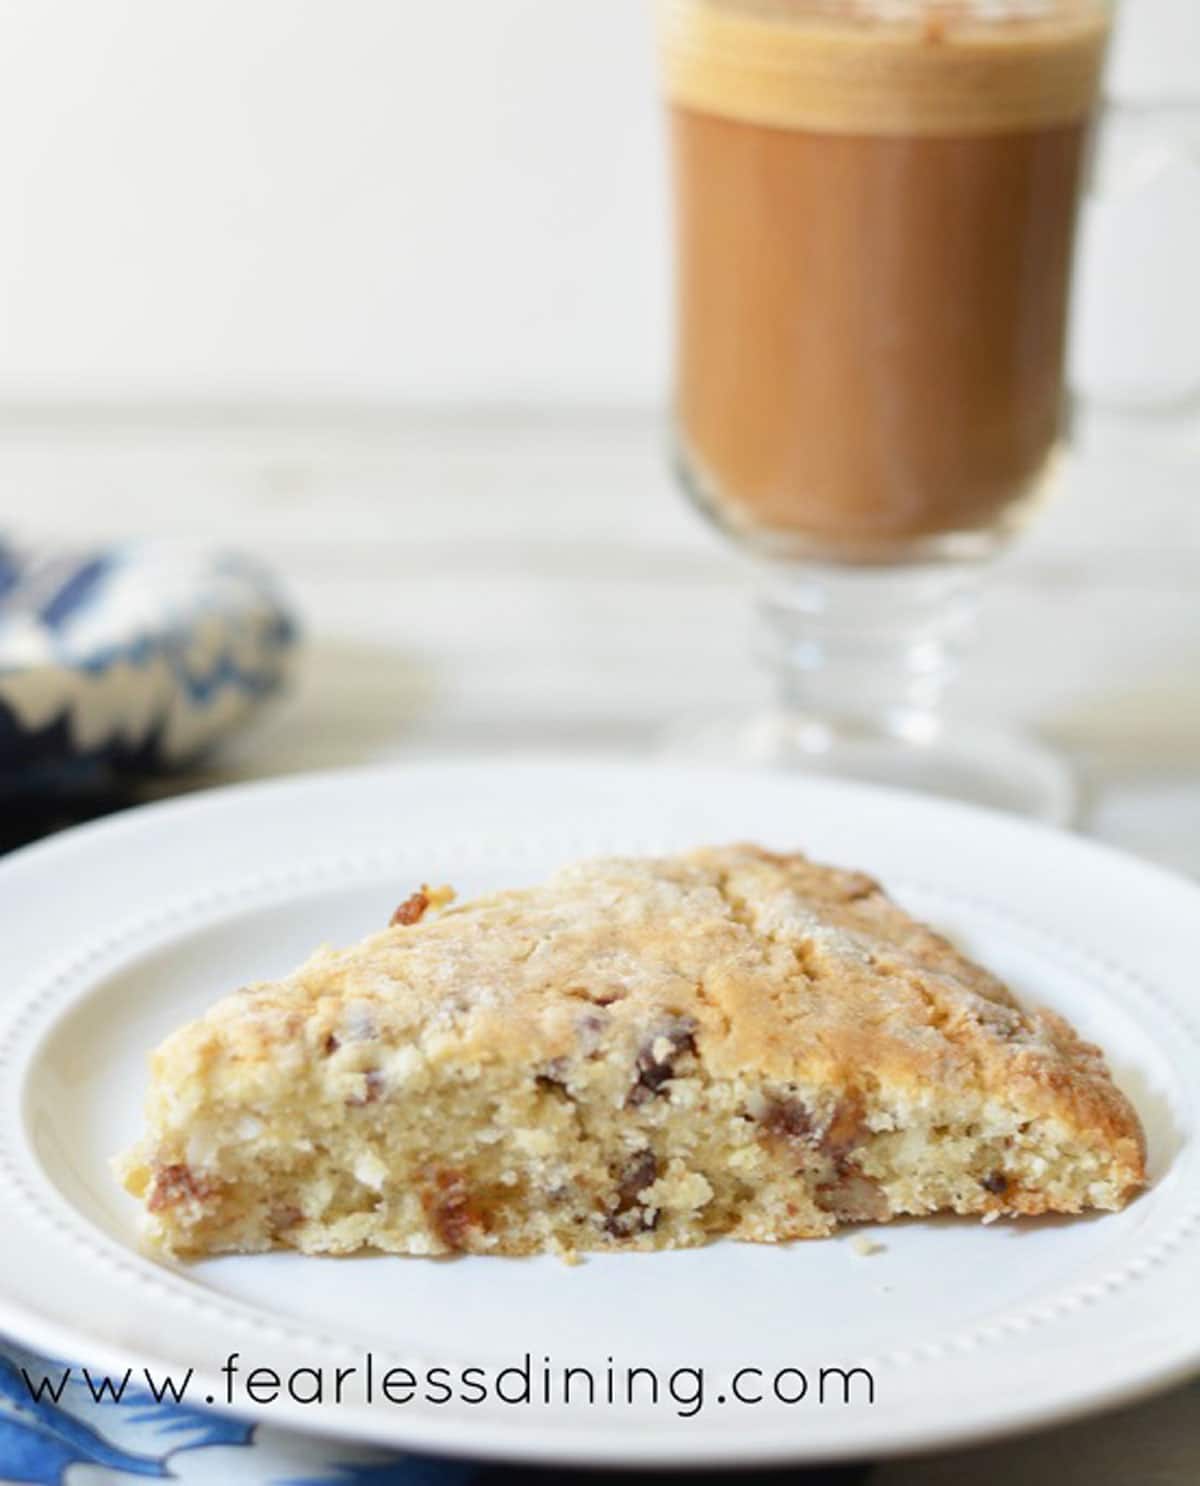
x=862 y=660
x=864 y=652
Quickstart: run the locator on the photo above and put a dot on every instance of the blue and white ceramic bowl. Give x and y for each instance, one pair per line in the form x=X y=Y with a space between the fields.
x=131 y=658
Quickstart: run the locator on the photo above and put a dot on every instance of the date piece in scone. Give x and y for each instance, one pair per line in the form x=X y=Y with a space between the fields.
x=640 y=1054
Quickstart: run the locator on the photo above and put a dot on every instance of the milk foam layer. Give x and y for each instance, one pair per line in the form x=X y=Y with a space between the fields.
x=886 y=67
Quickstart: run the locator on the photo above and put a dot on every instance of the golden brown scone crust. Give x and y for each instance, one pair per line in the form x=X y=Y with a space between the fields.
x=787 y=972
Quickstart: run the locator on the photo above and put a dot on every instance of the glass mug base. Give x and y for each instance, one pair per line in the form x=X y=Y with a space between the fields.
x=954 y=759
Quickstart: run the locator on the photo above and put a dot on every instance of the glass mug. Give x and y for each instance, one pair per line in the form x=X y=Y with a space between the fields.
x=875 y=212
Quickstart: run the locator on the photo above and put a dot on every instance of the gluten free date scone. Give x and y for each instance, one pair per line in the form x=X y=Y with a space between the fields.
x=639 y=1054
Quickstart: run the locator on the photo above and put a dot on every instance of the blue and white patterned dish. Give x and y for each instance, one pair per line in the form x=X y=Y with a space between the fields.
x=71 y=1438
x=131 y=658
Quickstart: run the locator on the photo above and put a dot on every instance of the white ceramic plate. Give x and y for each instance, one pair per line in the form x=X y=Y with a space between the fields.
x=114 y=933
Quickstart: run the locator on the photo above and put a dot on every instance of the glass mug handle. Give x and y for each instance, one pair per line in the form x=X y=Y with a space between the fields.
x=1135 y=354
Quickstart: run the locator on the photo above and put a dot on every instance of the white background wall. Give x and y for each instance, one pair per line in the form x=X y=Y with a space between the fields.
x=329 y=198
x=359 y=199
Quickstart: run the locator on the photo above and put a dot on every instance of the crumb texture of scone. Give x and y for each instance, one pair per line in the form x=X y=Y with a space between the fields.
x=639 y=1054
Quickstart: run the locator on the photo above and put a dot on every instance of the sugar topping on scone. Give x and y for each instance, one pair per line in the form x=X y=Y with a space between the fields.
x=641 y=1053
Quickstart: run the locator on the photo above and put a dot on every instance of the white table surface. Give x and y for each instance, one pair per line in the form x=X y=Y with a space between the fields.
x=508 y=580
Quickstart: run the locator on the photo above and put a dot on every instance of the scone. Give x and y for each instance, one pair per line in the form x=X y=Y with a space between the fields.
x=639 y=1054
